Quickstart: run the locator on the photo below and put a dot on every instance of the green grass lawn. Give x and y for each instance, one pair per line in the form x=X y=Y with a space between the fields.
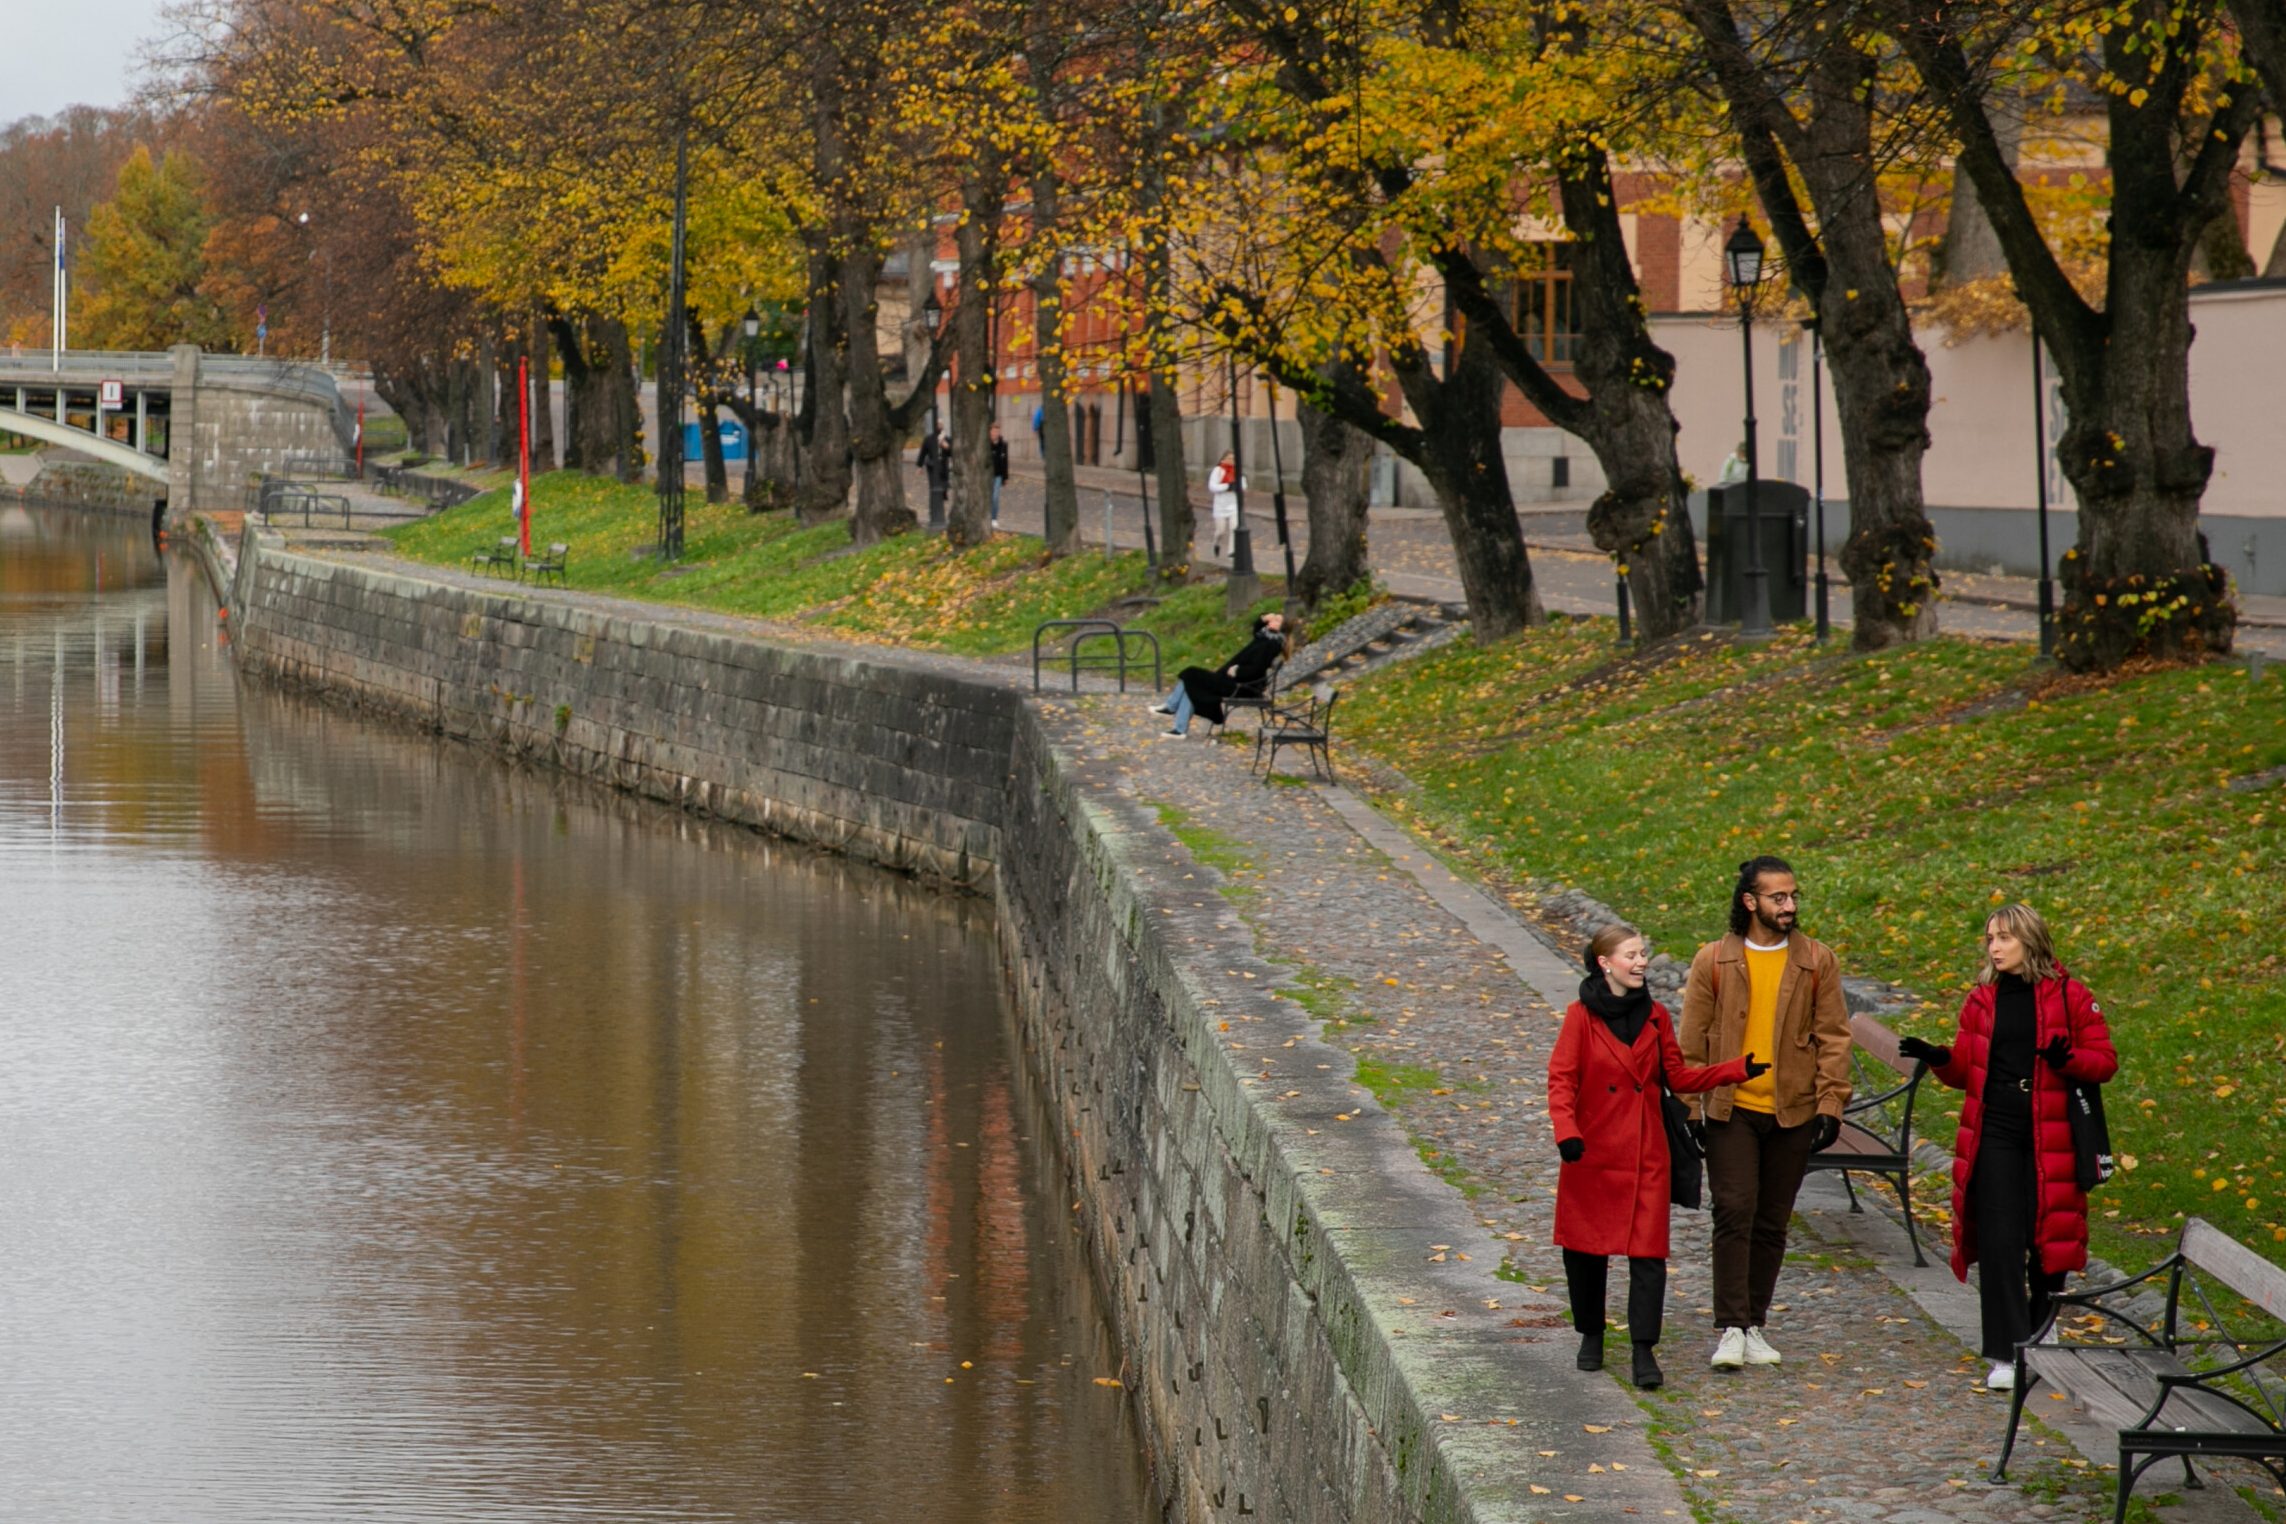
x=1914 y=790
x=915 y=590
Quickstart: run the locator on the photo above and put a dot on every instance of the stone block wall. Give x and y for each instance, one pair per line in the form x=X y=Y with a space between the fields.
x=1268 y=1271
x=239 y=431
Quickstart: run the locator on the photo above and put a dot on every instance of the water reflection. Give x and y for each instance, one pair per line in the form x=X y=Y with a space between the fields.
x=393 y=1136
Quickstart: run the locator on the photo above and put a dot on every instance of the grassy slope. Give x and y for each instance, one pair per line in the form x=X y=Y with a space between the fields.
x=915 y=590
x=1913 y=790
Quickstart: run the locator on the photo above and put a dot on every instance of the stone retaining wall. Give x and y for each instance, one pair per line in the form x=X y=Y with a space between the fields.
x=1275 y=1277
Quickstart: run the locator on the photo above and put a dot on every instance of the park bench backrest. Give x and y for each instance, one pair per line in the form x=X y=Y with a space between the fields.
x=2224 y=1258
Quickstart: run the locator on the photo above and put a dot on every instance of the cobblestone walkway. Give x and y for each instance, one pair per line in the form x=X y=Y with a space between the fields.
x=1878 y=1413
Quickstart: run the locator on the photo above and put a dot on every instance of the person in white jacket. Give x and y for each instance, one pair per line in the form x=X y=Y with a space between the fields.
x=1223 y=483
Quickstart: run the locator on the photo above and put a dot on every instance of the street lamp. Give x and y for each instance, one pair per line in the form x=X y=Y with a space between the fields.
x=1742 y=255
x=932 y=314
x=1818 y=467
x=2040 y=464
x=325 y=333
x=751 y=326
x=1241 y=585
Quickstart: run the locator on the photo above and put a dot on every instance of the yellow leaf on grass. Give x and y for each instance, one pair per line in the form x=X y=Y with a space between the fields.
x=1109 y=1381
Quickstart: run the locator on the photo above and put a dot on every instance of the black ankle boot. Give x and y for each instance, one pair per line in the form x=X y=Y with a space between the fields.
x=1591 y=1351
x=1647 y=1373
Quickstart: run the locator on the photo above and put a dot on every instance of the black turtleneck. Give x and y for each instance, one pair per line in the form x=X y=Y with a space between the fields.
x=2015 y=1034
x=1624 y=1014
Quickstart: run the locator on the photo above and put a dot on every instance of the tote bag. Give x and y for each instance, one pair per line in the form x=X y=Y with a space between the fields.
x=2091 y=1135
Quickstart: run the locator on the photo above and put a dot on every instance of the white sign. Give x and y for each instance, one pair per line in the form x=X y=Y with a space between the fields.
x=113 y=394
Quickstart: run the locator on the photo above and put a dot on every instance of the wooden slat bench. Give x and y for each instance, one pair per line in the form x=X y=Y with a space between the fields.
x=2162 y=1406
x=1877 y=1125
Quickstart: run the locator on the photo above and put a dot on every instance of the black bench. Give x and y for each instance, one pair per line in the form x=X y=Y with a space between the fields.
x=505 y=557
x=1877 y=1124
x=1309 y=727
x=1261 y=697
x=2162 y=1405
x=540 y=568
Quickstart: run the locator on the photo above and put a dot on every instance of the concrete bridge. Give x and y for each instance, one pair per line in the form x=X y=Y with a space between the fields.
x=199 y=427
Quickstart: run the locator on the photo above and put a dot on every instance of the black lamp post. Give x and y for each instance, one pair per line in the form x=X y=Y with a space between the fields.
x=1242 y=586
x=671 y=379
x=1818 y=469
x=751 y=326
x=933 y=314
x=1742 y=255
x=2040 y=463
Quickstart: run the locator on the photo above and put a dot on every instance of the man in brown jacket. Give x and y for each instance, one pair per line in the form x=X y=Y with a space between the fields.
x=1765 y=988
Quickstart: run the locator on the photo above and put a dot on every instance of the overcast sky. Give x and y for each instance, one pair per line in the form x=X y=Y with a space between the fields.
x=59 y=53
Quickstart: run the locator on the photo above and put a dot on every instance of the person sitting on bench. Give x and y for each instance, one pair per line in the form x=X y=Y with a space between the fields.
x=1199 y=691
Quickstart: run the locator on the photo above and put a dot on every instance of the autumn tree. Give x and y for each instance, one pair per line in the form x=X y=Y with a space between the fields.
x=2177 y=103
x=144 y=261
x=1818 y=103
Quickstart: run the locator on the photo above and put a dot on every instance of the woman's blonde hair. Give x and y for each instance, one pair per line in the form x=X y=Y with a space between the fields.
x=1606 y=942
x=2024 y=924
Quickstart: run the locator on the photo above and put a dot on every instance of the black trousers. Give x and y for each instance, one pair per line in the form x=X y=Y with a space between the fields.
x=1586 y=1276
x=2004 y=1200
x=1754 y=1169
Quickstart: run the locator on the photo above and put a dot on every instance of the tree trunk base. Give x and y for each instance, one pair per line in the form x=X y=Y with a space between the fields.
x=2105 y=622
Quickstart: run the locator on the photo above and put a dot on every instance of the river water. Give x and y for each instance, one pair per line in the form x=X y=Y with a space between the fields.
x=388 y=1134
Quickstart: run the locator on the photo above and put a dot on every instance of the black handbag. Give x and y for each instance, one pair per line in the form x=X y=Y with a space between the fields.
x=2091 y=1135
x=1685 y=1159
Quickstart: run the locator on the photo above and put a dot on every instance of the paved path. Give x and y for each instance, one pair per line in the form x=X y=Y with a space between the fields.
x=1878 y=1413
x=1413 y=556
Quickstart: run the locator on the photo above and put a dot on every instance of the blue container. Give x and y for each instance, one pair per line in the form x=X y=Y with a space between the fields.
x=733 y=440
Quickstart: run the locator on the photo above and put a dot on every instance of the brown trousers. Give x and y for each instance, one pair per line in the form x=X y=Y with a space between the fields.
x=1754 y=1169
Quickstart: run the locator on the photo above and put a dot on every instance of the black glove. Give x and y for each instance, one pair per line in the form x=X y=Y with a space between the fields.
x=2058 y=1052
x=1823 y=1134
x=1755 y=1070
x=1927 y=1052
x=1571 y=1149
x=1698 y=1128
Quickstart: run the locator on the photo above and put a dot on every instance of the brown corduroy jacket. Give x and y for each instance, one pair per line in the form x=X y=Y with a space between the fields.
x=1810 y=1070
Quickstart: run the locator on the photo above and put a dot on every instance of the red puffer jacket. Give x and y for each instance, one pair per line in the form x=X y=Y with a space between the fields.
x=2061 y=1006
x=1613 y=1200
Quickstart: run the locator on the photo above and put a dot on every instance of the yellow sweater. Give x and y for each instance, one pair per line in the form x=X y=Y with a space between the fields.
x=1763 y=972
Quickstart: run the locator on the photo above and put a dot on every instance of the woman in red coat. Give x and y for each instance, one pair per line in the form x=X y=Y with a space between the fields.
x=2026 y=1029
x=1603 y=1101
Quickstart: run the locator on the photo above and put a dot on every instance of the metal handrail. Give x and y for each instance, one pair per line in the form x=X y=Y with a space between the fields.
x=1119 y=636
x=1041 y=630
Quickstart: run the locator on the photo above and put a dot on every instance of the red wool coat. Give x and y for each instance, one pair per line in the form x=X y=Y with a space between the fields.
x=2061 y=1006
x=1613 y=1200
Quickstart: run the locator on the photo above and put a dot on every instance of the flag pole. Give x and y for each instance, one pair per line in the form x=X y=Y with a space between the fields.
x=524 y=450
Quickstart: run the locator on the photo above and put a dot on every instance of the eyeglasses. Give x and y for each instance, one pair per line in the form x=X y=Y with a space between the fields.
x=1781 y=899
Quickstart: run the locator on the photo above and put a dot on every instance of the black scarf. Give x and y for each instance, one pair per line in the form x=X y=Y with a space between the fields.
x=1624 y=1014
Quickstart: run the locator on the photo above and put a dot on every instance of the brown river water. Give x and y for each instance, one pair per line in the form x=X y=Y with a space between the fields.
x=388 y=1134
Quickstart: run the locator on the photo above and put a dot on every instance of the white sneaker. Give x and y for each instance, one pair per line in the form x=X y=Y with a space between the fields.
x=1730 y=1350
x=1758 y=1350
x=2001 y=1378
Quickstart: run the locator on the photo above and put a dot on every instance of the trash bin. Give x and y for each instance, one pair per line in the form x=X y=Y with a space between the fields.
x=1784 y=512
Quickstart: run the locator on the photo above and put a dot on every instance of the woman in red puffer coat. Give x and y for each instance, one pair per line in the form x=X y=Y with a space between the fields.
x=2025 y=1031
x=1603 y=1101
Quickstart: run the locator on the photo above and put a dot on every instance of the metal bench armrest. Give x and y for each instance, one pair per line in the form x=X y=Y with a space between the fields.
x=2200 y=1378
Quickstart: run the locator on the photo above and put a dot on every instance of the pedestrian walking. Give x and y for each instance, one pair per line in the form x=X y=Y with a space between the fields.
x=936 y=468
x=1223 y=483
x=1615 y=1051
x=1765 y=988
x=1201 y=691
x=2027 y=1030
x=1733 y=467
x=999 y=471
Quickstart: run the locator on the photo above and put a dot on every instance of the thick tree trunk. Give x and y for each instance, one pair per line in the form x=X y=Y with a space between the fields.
x=1641 y=520
x=580 y=399
x=823 y=430
x=1062 y=506
x=617 y=423
x=1461 y=456
x=969 y=513
x=1337 y=466
x=702 y=374
x=1171 y=476
x=542 y=399
x=2139 y=581
x=876 y=445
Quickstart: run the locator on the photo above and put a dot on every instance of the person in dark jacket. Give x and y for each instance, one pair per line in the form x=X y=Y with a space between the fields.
x=936 y=468
x=999 y=470
x=1612 y=1192
x=1200 y=691
x=2026 y=1030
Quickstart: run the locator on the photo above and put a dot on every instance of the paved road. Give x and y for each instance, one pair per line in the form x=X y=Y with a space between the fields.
x=1412 y=555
